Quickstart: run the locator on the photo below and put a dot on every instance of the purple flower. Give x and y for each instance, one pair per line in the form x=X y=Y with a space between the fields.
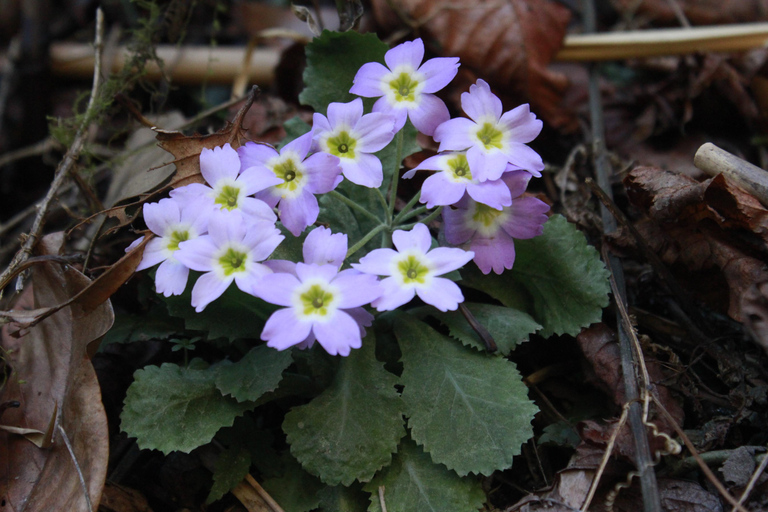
x=352 y=136
x=231 y=251
x=491 y=139
x=448 y=186
x=406 y=86
x=294 y=179
x=228 y=188
x=413 y=270
x=490 y=232
x=173 y=221
x=318 y=301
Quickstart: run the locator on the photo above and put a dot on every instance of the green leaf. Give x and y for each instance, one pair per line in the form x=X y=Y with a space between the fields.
x=295 y=490
x=169 y=408
x=295 y=127
x=343 y=499
x=508 y=326
x=350 y=430
x=561 y=276
x=388 y=155
x=332 y=62
x=413 y=483
x=258 y=372
x=233 y=315
x=228 y=471
x=155 y=324
x=470 y=410
x=561 y=433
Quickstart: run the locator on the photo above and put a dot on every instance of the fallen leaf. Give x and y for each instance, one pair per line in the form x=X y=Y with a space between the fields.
x=508 y=43
x=754 y=308
x=698 y=12
x=50 y=367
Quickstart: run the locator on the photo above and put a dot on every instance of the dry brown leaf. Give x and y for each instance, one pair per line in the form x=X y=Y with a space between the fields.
x=698 y=12
x=50 y=367
x=508 y=43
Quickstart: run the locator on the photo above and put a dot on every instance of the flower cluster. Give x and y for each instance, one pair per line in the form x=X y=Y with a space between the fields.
x=226 y=227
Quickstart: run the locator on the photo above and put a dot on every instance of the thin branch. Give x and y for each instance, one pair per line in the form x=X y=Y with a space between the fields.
x=752 y=482
x=62 y=172
x=74 y=461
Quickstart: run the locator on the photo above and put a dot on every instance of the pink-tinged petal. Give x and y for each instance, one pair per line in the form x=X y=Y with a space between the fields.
x=439 y=72
x=366 y=171
x=219 y=163
x=297 y=213
x=527 y=219
x=281 y=266
x=284 y=329
x=376 y=262
x=310 y=271
x=362 y=317
x=339 y=335
x=357 y=290
x=493 y=193
x=162 y=215
x=521 y=124
x=392 y=295
x=374 y=132
x=191 y=191
x=226 y=226
x=262 y=238
x=418 y=238
x=171 y=278
x=448 y=259
x=197 y=254
x=257 y=178
x=383 y=106
x=457 y=229
x=495 y=254
x=453 y=135
x=324 y=247
x=516 y=181
x=409 y=53
x=345 y=114
x=276 y=288
x=248 y=281
x=430 y=114
x=526 y=158
x=154 y=253
x=480 y=102
x=257 y=210
x=207 y=289
x=255 y=153
x=443 y=294
x=320 y=124
x=486 y=166
x=300 y=145
x=323 y=172
x=367 y=82
x=438 y=190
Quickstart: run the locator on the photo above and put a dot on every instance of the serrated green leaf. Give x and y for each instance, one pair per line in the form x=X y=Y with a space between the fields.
x=258 y=372
x=508 y=326
x=413 y=483
x=233 y=315
x=295 y=490
x=332 y=62
x=169 y=408
x=343 y=499
x=565 y=281
x=350 y=430
x=470 y=410
x=228 y=471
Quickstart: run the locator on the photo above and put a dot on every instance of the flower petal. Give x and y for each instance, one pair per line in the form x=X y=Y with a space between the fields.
x=207 y=289
x=324 y=247
x=197 y=254
x=521 y=124
x=366 y=171
x=323 y=172
x=400 y=113
x=257 y=210
x=454 y=134
x=494 y=254
x=376 y=262
x=443 y=294
x=357 y=289
x=439 y=72
x=276 y=288
x=527 y=219
x=162 y=215
x=311 y=271
x=226 y=226
x=247 y=281
x=480 y=102
x=516 y=181
x=438 y=190
x=486 y=166
x=368 y=80
x=418 y=238
x=218 y=163
x=374 y=131
x=296 y=213
x=409 y=53
x=345 y=115
x=257 y=178
x=300 y=145
x=339 y=335
x=284 y=329
x=448 y=259
x=526 y=158
x=392 y=295
x=154 y=253
x=255 y=153
x=362 y=317
x=430 y=114
x=281 y=266
x=262 y=238
x=493 y=193
x=457 y=229
x=171 y=278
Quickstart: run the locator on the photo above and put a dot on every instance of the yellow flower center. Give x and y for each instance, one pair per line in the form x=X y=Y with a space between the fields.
x=228 y=196
x=412 y=270
x=490 y=136
x=233 y=261
x=176 y=238
x=288 y=170
x=342 y=145
x=485 y=215
x=316 y=300
x=460 y=167
x=404 y=87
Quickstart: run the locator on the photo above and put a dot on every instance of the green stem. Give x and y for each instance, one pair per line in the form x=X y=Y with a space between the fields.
x=404 y=212
x=426 y=220
x=360 y=243
x=395 y=175
x=382 y=199
x=414 y=213
x=344 y=199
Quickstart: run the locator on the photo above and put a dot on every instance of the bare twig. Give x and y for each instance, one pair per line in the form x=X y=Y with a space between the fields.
x=77 y=467
x=381 y=499
x=752 y=481
x=713 y=161
x=35 y=149
x=69 y=158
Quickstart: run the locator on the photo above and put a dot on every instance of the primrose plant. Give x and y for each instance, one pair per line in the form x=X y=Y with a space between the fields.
x=320 y=248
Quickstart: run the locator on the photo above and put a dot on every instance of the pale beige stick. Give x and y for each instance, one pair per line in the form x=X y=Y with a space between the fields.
x=663 y=41
x=713 y=161
x=752 y=482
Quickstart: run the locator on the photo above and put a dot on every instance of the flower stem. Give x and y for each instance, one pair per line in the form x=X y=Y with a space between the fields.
x=404 y=212
x=395 y=175
x=413 y=213
x=426 y=220
x=344 y=199
x=360 y=243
